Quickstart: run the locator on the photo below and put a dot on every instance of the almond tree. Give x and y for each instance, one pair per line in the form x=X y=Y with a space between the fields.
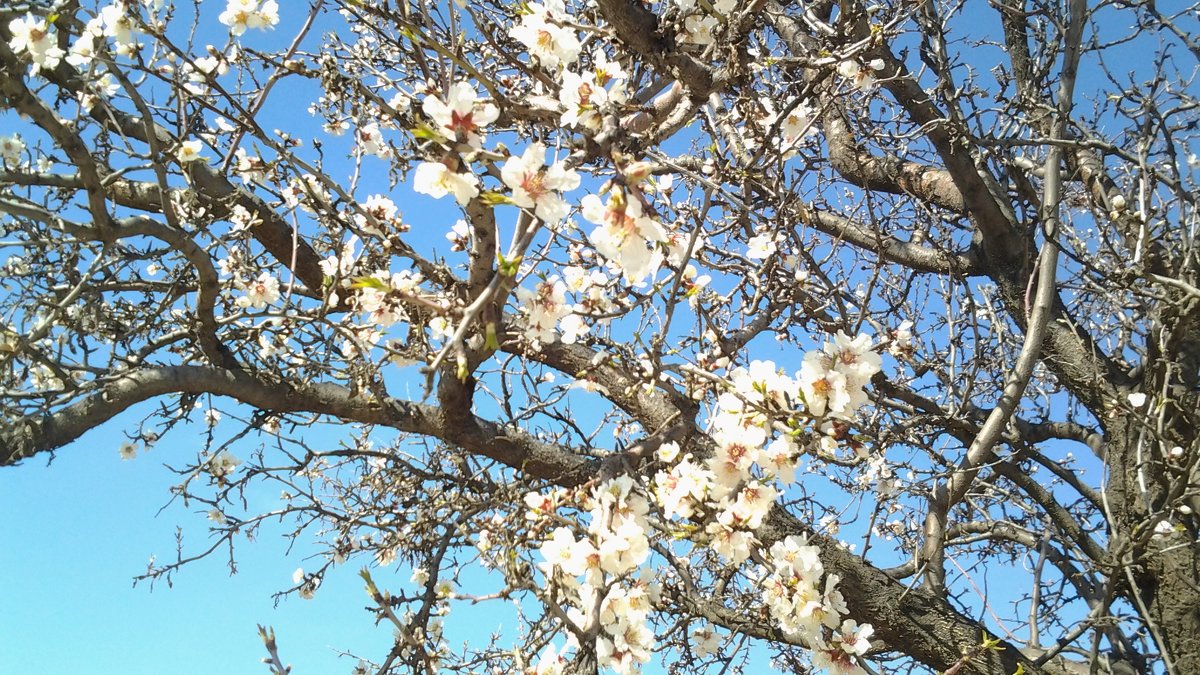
x=799 y=325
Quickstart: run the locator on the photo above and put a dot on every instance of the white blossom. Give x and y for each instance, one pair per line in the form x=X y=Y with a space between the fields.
x=32 y=36
x=11 y=148
x=553 y=45
x=189 y=151
x=243 y=15
x=536 y=186
x=461 y=115
x=438 y=180
x=261 y=292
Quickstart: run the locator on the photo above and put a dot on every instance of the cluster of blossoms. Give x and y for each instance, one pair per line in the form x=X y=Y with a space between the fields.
x=380 y=295
x=205 y=68
x=833 y=379
x=596 y=576
x=459 y=119
x=583 y=96
x=731 y=493
x=545 y=307
x=582 y=93
x=35 y=38
x=806 y=609
x=222 y=464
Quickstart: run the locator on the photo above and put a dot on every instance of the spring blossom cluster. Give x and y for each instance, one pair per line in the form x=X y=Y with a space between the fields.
x=728 y=495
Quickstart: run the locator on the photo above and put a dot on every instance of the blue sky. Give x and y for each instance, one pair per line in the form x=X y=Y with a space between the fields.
x=76 y=533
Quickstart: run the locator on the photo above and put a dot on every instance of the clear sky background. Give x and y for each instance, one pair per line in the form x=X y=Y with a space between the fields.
x=76 y=533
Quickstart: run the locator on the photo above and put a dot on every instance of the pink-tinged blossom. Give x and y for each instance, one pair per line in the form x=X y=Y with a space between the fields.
x=825 y=390
x=753 y=502
x=538 y=187
x=261 y=292
x=678 y=244
x=836 y=662
x=581 y=98
x=622 y=661
x=780 y=458
x=854 y=357
x=543 y=306
x=461 y=116
x=370 y=142
x=438 y=180
x=624 y=234
x=635 y=639
x=847 y=643
x=732 y=544
x=683 y=489
x=539 y=504
x=732 y=460
x=378 y=304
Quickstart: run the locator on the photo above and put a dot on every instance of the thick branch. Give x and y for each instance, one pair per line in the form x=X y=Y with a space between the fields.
x=513 y=447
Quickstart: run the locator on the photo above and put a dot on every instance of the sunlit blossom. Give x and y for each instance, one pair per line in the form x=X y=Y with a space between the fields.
x=243 y=15
x=32 y=36
x=438 y=180
x=538 y=187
